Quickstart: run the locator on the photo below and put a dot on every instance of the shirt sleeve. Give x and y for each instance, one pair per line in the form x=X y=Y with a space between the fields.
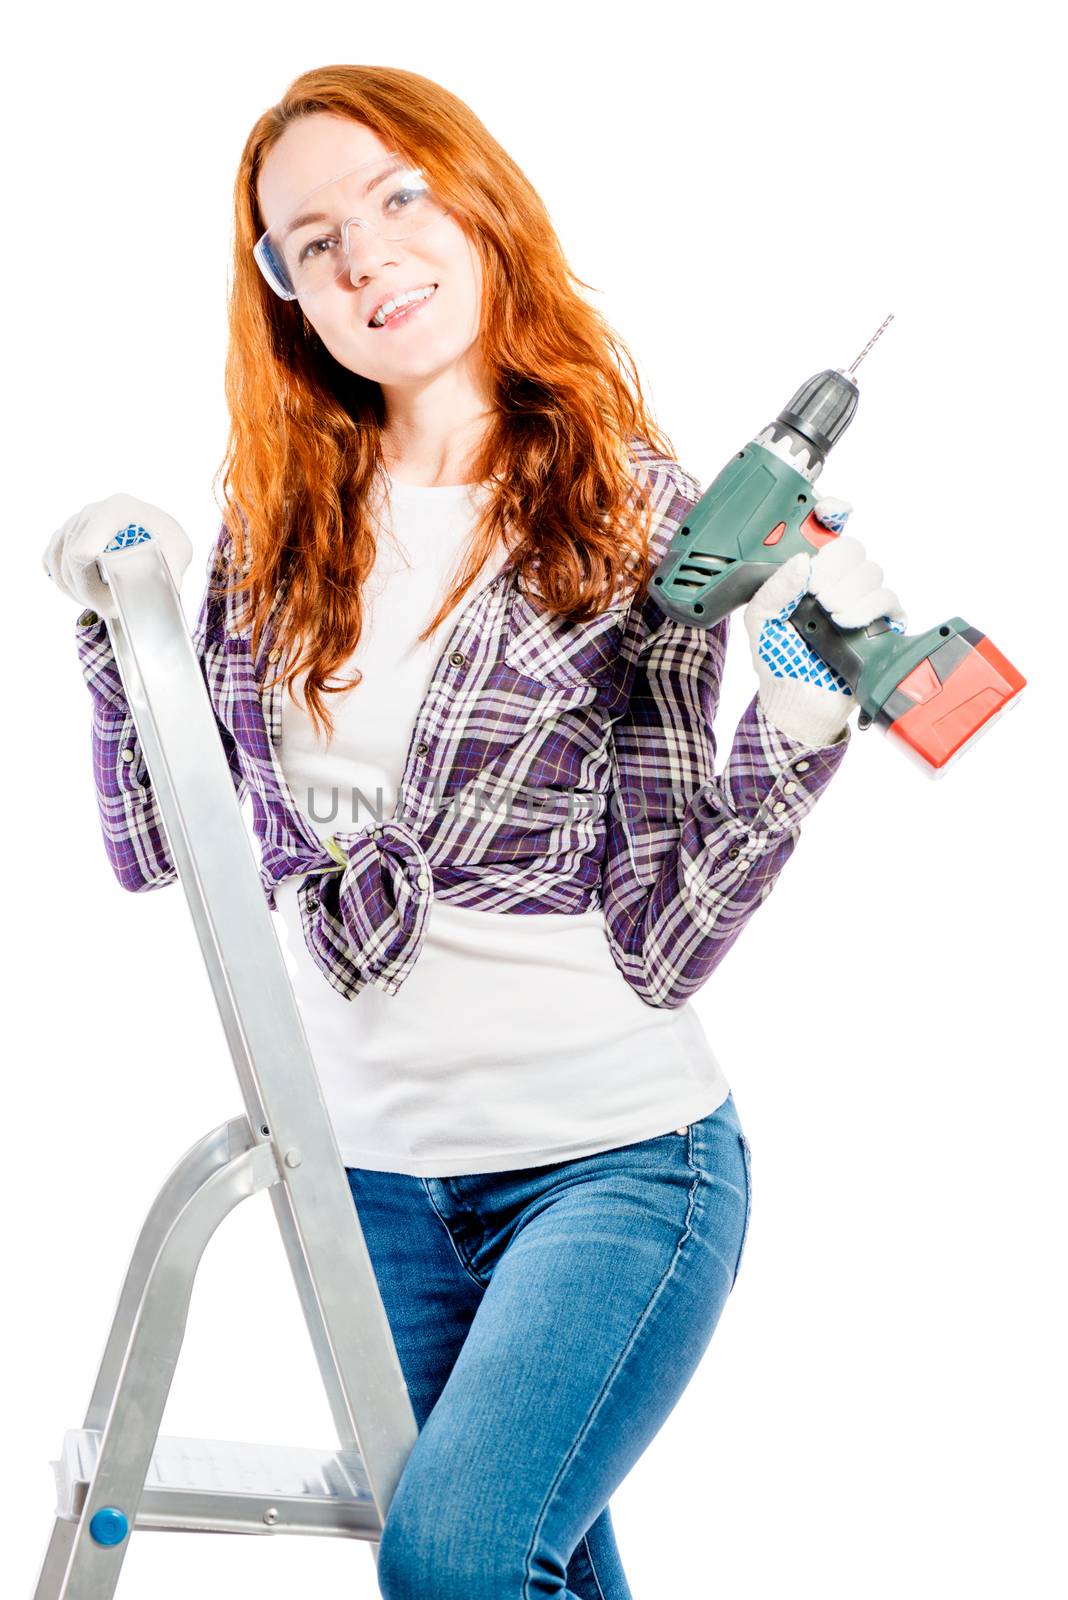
x=130 y=819
x=691 y=855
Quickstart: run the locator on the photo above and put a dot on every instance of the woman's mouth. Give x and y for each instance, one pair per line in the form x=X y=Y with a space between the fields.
x=405 y=313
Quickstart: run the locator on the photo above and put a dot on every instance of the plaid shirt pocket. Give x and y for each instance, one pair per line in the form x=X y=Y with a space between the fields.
x=559 y=652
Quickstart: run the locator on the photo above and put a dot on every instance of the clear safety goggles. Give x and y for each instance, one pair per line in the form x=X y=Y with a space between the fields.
x=322 y=239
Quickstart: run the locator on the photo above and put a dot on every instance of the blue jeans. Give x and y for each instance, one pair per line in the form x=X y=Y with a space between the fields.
x=546 y=1321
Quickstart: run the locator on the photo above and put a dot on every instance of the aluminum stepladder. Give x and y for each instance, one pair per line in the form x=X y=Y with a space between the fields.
x=116 y=1474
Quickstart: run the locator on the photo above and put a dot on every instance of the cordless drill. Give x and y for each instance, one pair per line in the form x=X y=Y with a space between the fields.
x=933 y=692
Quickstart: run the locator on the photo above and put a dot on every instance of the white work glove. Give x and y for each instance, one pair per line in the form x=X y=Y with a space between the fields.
x=799 y=693
x=71 y=554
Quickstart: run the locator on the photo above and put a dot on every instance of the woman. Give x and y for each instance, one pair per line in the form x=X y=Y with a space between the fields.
x=508 y=842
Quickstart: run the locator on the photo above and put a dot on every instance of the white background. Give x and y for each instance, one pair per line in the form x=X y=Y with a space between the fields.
x=881 y=1410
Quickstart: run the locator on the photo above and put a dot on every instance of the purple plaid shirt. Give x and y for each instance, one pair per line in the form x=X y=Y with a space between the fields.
x=553 y=766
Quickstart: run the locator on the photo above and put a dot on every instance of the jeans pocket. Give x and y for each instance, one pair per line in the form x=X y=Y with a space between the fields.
x=747 y=1156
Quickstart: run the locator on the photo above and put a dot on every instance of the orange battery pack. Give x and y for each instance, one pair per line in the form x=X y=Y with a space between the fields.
x=945 y=717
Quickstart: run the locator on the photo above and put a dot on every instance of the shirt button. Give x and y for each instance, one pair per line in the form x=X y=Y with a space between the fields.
x=745 y=862
x=422 y=880
x=780 y=805
x=802 y=766
x=421 y=748
x=680 y=1130
x=457 y=658
x=788 y=788
x=127 y=754
x=732 y=853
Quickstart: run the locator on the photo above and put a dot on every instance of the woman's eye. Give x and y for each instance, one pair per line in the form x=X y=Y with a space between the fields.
x=410 y=194
x=311 y=249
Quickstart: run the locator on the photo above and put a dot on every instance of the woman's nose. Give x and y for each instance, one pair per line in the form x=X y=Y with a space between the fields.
x=365 y=251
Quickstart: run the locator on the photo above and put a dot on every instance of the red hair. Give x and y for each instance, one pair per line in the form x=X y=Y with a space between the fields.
x=304 y=443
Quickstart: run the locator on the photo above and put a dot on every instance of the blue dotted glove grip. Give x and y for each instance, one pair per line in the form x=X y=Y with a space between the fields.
x=786 y=655
x=133 y=533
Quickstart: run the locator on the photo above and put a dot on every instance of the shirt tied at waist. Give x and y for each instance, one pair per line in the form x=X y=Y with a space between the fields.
x=377 y=906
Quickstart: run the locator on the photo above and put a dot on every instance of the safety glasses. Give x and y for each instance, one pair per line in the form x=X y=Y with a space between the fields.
x=322 y=239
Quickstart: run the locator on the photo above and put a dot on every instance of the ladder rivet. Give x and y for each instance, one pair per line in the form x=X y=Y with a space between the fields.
x=271 y=1515
x=293 y=1158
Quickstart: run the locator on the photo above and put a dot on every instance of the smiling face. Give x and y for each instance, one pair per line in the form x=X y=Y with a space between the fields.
x=421 y=347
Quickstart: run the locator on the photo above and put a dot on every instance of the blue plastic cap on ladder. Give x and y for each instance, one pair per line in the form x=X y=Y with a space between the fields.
x=109 y=1526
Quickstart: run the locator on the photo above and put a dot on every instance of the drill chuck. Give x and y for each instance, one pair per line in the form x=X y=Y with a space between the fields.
x=814 y=420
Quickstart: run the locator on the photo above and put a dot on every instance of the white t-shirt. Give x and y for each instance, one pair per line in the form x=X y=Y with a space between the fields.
x=515 y=1040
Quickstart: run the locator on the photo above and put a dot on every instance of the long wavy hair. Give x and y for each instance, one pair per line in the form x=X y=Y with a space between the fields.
x=563 y=489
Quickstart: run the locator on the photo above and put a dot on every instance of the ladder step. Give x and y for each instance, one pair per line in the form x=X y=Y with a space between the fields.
x=224 y=1486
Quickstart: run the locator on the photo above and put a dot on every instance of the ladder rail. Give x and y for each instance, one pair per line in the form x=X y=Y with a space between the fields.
x=213 y=855
x=285 y=1139
x=200 y=1161
x=135 y=1407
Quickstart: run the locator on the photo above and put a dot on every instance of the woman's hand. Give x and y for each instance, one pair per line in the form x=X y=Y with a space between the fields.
x=71 y=554
x=799 y=693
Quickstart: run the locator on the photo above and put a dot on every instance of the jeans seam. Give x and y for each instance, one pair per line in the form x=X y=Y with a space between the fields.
x=747 y=1160
x=593 y=1568
x=478 y=1282
x=747 y=1192
x=643 y=1318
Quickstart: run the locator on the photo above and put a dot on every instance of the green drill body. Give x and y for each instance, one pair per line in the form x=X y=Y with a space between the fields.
x=754 y=516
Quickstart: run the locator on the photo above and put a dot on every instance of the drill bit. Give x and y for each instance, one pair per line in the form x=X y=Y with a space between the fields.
x=869 y=344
